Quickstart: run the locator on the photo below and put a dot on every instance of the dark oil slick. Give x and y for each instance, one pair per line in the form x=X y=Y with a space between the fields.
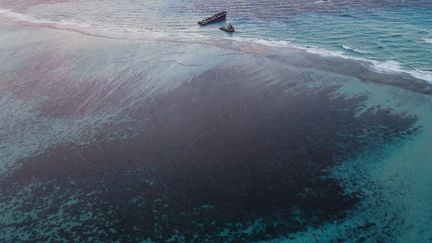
x=217 y=159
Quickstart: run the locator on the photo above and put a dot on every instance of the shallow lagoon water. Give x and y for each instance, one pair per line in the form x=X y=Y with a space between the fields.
x=108 y=139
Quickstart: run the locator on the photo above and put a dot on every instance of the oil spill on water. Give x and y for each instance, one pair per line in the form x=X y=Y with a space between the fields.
x=216 y=159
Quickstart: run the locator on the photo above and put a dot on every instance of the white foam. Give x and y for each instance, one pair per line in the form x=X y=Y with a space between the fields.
x=352 y=49
x=383 y=67
x=320 y=1
x=420 y=74
x=389 y=66
x=393 y=66
x=265 y=42
x=325 y=52
x=39 y=21
x=428 y=41
x=91 y=29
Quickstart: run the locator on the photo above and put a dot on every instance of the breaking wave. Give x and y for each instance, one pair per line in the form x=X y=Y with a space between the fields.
x=354 y=50
x=389 y=66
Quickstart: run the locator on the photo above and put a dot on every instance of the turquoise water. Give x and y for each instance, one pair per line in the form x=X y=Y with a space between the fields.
x=395 y=35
